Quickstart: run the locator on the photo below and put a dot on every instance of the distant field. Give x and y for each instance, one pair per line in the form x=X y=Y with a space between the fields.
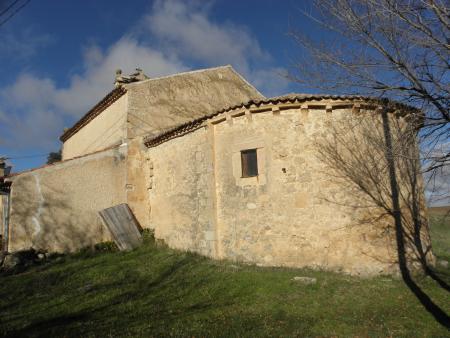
x=439 y=211
x=440 y=231
x=159 y=292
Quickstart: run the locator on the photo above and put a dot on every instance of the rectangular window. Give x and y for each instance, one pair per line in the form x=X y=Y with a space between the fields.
x=249 y=162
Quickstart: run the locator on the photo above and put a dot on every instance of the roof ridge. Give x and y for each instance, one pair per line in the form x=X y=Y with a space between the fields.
x=120 y=90
x=179 y=74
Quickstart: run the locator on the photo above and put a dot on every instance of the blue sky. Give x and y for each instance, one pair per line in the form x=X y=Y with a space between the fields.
x=58 y=57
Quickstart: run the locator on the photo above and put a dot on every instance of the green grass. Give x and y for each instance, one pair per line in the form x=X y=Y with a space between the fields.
x=152 y=292
x=440 y=231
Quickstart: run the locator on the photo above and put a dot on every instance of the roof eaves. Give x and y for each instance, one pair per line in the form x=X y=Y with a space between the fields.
x=192 y=125
x=196 y=71
x=104 y=103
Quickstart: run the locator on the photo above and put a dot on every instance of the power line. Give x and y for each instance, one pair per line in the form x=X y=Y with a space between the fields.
x=22 y=157
x=8 y=7
x=17 y=10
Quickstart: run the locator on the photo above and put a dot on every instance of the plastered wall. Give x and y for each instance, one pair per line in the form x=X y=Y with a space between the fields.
x=56 y=208
x=105 y=130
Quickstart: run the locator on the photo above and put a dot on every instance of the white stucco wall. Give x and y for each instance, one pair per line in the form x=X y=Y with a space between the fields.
x=55 y=208
x=105 y=130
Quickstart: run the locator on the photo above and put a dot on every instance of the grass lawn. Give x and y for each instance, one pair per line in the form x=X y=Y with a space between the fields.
x=153 y=292
x=440 y=231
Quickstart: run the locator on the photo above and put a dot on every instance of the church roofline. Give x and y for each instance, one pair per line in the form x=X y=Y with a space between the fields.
x=120 y=90
x=104 y=103
x=195 y=72
x=180 y=130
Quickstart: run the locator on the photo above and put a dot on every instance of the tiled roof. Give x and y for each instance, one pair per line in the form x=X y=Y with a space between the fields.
x=169 y=93
x=153 y=140
x=108 y=100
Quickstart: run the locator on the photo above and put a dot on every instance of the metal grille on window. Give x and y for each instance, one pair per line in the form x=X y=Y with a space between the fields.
x=249 y=163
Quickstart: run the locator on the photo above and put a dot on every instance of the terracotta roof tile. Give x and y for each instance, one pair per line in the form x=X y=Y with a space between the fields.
x=152 y=140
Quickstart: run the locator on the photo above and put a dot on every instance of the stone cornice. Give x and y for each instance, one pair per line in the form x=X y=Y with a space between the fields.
x=278 y=104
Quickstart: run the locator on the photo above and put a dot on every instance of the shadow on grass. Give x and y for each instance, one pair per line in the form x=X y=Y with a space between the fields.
x=152 y=297
x=378 y=157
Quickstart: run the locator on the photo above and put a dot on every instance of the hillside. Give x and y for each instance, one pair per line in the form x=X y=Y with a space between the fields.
x=156 y=291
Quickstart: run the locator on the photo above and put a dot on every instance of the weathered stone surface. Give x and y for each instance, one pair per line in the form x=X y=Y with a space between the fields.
x=56 y=208
x=305 y=280
x=191 y=189
x=155 y=104
x=294 y=213
x=160 y=103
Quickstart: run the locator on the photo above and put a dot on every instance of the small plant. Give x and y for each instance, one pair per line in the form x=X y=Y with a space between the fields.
x=106 y=247
x=148 y=235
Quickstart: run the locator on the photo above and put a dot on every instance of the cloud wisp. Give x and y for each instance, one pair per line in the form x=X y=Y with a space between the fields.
x=38 y=110
x=187 y=30
x=172 y=37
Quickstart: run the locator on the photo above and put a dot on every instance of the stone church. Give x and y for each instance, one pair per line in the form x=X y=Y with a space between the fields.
x=216 y=168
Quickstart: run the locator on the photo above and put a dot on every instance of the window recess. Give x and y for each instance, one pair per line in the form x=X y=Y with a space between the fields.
x=249 y=163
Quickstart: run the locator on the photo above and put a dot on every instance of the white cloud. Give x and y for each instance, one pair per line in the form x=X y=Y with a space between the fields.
x=272 y=81
x=24 y=43
x=185 y=28
x=100 y=68
x=180 y=33
x=36 y=108
x=31 y=92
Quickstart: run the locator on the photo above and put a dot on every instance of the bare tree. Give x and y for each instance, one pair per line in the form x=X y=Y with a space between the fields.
x=397 y=49
x=375 y=157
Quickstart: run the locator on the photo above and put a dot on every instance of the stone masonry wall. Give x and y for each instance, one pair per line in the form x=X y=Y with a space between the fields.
x=180 y=188
x=161 y=103
x=295 y=213
x=284 y=218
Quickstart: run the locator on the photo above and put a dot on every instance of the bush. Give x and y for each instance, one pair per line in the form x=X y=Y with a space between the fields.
x=148 y=236
x=106 y=247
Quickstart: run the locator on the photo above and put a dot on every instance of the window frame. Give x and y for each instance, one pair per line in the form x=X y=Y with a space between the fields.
x=249 y=163
x=245 y=143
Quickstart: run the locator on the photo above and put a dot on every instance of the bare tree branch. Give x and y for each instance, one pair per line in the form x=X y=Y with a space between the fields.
x=396 y=49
